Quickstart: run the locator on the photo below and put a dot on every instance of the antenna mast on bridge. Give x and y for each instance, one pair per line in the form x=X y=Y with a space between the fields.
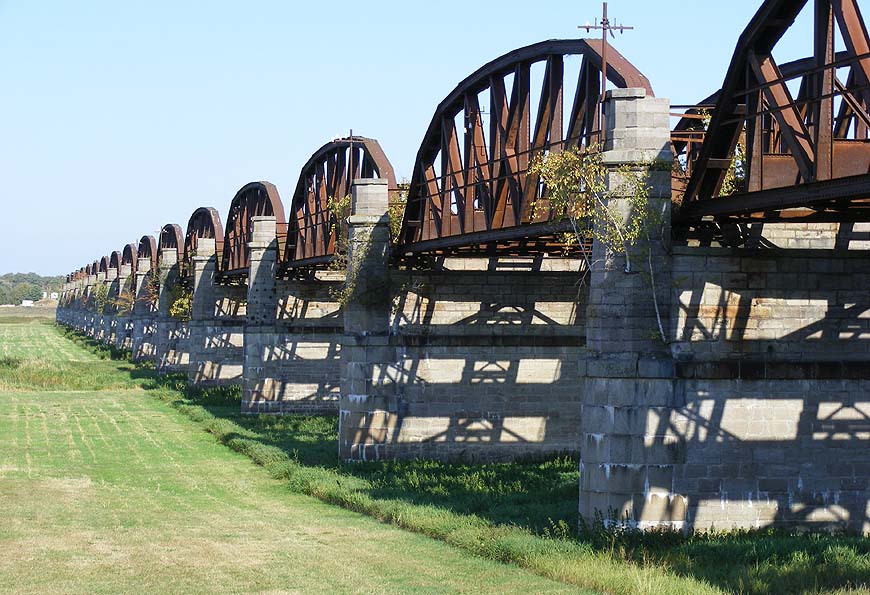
x=605 y=26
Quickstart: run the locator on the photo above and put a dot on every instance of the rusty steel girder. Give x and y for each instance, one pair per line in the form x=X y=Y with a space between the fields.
x=687 y=137
x=204 y=223
x=148 y=249
x=329 y=173
x=252 y=200
x=800 y=151
x=471 y=189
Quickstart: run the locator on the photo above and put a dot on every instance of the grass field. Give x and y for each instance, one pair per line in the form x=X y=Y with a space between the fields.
x=106 y=490
x=19 y=314
x=524 y=513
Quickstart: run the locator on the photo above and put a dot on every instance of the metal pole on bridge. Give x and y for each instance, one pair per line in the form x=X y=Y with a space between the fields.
x=605 y=27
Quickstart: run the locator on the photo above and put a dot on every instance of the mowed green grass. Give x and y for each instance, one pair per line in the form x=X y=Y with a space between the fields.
x=107 y=490
x=35 y=356
x=522 y=512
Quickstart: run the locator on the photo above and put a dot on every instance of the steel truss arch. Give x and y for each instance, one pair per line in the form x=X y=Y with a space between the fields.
x=172 y=238
x=805 y=156
x=148 y=249
x=329 y=174
x=252 y=200
x=129 y=256
x=473 y=188
x=204 y=223
x=115 y=260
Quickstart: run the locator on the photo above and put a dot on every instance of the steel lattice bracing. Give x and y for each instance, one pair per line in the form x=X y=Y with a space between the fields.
x=205 y=222
x=471 y=188
x=148 y=249
x=327 y=175
x=254 y=199
x=807 y=154
x=687 y=137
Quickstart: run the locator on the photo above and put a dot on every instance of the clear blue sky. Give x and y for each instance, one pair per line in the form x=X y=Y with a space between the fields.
x=121 y=116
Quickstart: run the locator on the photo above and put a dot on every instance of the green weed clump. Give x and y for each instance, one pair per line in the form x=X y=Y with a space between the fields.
x=522 y=513
x=9 y=363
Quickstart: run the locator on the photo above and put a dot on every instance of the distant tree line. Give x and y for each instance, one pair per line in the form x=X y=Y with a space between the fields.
x=15 y=287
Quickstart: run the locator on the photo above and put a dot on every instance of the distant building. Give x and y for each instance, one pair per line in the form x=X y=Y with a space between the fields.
x=44 y=295
x=54 y=295
x=27 y=303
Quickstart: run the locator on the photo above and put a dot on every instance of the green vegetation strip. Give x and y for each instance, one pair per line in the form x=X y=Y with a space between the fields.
x=110 y=491
x=501 y=511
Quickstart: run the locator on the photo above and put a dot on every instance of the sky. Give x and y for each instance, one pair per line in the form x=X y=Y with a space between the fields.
x=119 y=117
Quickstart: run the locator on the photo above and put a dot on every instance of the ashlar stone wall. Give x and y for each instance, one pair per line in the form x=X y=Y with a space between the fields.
x=772 y=365
x=475 y=359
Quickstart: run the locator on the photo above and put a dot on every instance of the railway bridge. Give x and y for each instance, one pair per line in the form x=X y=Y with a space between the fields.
x=722 y=379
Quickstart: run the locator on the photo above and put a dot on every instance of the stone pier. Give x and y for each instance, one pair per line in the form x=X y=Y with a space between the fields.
x=627 y=456
x=368 y=405
x=172 y=335
x=217 y=321
x=144 y=313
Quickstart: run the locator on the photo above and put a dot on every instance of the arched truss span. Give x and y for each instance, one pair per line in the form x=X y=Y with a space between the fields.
x=328 y=174
x=205 y=222
x=115 y=260
x=148 y=249
x=470 y=188
x=172 y=238
x=803 y=126
x=687 y=137
x=104 y=265
x=254 y=199
x=129 y=257
x=88 y=270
